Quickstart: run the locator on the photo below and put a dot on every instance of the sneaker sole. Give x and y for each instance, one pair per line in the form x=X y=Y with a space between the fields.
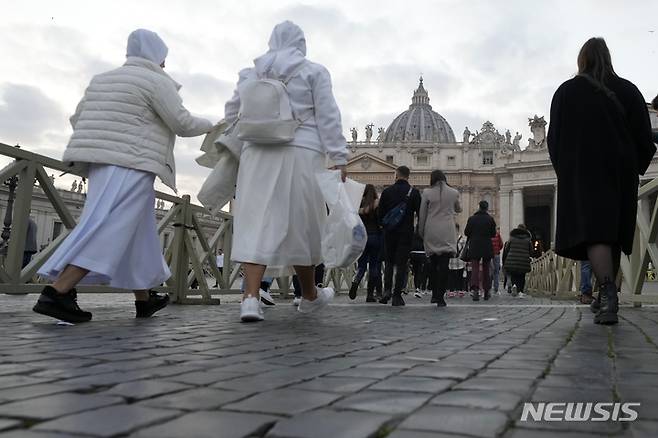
x=267 y=302
x=47 y=310
x=251 y=318
x=607 y=319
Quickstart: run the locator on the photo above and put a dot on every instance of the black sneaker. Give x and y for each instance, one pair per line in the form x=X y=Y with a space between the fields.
x=441 y=302
x=384 y=299
x=61 y=306
x=609 y=305
x=353 y=289
x=596 y=303
x=397 y=300
x=487 y=295
x=146 y=309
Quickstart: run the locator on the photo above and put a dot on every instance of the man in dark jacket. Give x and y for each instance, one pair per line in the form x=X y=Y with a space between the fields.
x=397 y=241
x=516 y=258
x=480 y=229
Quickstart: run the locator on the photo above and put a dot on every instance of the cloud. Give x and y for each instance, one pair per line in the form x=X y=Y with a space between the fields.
x=27 y=115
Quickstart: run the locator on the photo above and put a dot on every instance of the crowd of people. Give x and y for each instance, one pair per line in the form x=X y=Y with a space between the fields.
x=124 y=130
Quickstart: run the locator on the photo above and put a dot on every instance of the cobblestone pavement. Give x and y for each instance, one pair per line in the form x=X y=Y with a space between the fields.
x=355 y=370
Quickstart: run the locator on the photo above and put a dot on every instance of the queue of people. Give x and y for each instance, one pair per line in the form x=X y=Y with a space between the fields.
x=124 y=130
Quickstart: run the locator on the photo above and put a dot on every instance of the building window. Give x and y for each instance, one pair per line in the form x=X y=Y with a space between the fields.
x=452 y=161
x=422 y=160
x=389 y=159
x=487 y=158
x=57 y=230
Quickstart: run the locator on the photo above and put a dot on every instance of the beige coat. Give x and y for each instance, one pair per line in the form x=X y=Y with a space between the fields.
x=436 y=222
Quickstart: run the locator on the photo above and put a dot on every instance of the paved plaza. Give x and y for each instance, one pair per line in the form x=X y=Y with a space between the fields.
x=354 y=371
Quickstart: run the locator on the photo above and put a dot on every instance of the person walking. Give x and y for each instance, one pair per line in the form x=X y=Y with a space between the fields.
x=30 y=242
x=497 y=243
x=586 y=282
x=516 y=258
x=124 y=130
x=279 y=208
x=419 y=265
x=436 y=225
x=456 y=266
x=370 y=260
x=599 y=141
x=398 y=239
x=480 y=229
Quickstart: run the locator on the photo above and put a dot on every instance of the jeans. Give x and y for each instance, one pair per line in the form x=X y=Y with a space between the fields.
x=496 y=271
x=370 y=260
x=319 y=278
x=397 y=247
x=585 y=278
x=480 y=271
x=439 y=273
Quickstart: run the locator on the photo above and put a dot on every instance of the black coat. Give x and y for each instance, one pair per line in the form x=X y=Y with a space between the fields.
x=598 y=150
x=392 y=196
x=516 y=254
x=480 y=229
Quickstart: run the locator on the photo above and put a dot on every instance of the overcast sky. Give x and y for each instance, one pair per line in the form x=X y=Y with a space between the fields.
x=481 y=60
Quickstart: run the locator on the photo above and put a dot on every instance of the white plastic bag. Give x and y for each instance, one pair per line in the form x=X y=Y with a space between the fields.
x=344 y=236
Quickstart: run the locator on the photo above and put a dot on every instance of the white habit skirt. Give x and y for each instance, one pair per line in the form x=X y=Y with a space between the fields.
x=279 y=208
x=116 y=238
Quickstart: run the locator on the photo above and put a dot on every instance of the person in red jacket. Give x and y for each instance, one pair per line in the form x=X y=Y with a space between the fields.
x=497 y=243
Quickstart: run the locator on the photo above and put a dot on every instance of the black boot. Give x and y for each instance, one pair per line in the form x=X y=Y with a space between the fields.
x=607 y=313
x=487 y=295
x=435 y=297
x=146 y=309
x=353 y=289
x=596 y=304
x=441 y=302
x=384 y=299
x=397 y=300
x=371 y=290
x=61 y=306
x=475 y=293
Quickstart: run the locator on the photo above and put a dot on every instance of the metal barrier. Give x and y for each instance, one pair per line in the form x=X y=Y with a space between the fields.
x=553 y=274
x=190 y=256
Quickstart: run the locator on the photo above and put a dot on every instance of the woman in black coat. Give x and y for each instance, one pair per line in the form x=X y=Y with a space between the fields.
x=480 y=229
x=599 y=141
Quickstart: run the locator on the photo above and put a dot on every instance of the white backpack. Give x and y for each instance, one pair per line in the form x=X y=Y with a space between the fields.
x=266 y=116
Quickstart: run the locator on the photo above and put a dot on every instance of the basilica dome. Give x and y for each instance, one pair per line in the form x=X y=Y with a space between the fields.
x=419 y=123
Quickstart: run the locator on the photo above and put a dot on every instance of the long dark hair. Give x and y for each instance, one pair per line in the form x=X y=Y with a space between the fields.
x=594 y=60
x=369 y=197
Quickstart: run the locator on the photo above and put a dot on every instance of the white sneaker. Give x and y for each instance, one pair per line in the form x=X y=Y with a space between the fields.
x=325 y=295
x=266 y=298
x=296 y=301
x=250 y=310
x=418 y=294
x=522 y=295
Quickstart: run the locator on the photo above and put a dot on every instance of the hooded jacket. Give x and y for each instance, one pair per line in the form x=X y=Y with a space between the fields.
x=309 y=91
x=130 y=116
x=516 y=255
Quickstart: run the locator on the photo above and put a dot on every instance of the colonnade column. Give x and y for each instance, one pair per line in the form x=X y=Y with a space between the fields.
x=517 y=207
x=505 y=226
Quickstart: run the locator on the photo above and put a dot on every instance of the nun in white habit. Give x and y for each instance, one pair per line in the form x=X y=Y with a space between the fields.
x=124 y=130
x=279 y=209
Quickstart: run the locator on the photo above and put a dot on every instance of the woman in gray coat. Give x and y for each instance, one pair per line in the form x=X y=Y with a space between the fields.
x=436 y=225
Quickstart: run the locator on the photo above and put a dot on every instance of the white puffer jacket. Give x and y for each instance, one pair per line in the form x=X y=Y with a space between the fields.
x=130 y=117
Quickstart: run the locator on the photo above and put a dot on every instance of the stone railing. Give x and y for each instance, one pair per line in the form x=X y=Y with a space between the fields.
x=190 y=256
x=554 y=274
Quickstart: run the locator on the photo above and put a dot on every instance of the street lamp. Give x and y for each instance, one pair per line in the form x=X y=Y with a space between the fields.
x=11 y=183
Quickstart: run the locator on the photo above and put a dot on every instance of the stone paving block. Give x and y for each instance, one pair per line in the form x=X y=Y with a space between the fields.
x=439 y=372
x=8 y=423
x=384 y=402
x=44 y=408
x=575 y=394
x=448 y=419
x=644 y=429
x=37 y=434
x=518 y=364
x=368 y=373
x=413 y=384
x=108 y=421
x=284 y=401
x=141 y=389
x=335 y=384
x=528 y=433
x=25 y=392
x=418 y=434
x=518 y=386
x=204 y=377
x=502 y=401
x=20 y=380
x=210 y=425
x=326 y=423
x=196 y=399
x=511 y=373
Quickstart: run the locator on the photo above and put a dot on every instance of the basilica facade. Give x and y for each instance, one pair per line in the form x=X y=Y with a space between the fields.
x=518 y=182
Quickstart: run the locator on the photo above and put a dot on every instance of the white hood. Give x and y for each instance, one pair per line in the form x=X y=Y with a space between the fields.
x=145 y=44
x=287 y=51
